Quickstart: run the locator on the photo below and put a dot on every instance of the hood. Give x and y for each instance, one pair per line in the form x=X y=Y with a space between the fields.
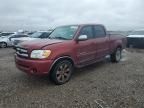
x=39 y=43
x=136 y=36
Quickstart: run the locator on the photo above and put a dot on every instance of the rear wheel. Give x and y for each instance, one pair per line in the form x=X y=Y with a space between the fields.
x=62 y=72
x=116 y=56
x=3 y=44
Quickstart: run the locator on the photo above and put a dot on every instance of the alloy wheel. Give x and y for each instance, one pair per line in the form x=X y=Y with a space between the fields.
x=63 y=72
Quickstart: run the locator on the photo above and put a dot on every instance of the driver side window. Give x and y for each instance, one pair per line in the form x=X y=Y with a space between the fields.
x=87 y=30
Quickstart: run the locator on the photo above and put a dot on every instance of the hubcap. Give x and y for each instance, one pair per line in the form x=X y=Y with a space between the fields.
x=63 y=72
x=2 y=45
x=118 y=55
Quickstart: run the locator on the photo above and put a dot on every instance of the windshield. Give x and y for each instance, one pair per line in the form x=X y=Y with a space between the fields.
x=64 y=33
x=36 y=35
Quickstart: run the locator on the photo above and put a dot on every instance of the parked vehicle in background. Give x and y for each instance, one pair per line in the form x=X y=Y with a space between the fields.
x=2 y=34
x=68 y=47
x=30 y=33
x=18 y=36
x=34 y=36
x=136 y=39
x=6 y=41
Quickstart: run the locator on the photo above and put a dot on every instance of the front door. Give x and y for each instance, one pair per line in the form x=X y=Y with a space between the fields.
x=85 y=49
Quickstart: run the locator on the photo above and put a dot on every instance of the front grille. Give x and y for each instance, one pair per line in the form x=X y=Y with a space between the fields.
x=21 y=52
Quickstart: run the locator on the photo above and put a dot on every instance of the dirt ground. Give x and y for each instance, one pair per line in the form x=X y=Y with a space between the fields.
x=101 y=85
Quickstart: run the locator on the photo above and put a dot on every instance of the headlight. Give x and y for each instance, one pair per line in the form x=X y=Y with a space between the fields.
x=40 y=54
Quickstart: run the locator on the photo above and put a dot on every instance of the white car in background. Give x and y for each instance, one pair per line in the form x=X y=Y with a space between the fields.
x=136 y=34
x=2 y=34
x=136 y=39
x=34 y=36
x=6 y=41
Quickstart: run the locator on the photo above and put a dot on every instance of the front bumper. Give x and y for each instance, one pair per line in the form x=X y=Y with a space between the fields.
x=33 y=67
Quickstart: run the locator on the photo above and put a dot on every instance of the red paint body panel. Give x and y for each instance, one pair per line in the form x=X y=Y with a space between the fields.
x=80 y=52
x=35 y=67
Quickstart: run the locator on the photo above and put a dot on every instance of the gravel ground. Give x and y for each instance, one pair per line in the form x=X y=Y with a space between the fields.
x=101 y=85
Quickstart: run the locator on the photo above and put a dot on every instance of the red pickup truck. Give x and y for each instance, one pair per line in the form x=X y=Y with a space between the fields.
x=68 y=47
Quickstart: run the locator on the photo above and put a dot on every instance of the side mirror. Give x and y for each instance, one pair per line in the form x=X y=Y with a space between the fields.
x=82 y=38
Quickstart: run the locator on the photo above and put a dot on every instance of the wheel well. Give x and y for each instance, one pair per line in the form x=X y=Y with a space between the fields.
x=3 y=42
x=60 y=59
x=119 y=46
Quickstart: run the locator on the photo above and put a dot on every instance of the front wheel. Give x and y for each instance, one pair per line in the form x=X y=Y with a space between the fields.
x=3 y=45
x=62 y=72
x=117 y=55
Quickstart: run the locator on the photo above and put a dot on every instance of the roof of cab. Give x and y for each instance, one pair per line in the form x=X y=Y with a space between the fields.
x=80 y=25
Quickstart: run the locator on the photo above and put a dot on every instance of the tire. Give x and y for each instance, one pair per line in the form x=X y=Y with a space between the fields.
x=61 y=73
x=116 y=56
x=3 y=45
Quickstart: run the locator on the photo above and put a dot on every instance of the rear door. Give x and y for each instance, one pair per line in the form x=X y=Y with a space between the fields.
x=101 y=41
x=86 y=49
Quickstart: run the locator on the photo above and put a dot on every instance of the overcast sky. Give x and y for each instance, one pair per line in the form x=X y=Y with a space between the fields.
x=42 y=14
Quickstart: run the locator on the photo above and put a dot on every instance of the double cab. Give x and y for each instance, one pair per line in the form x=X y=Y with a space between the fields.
x=68 y=47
